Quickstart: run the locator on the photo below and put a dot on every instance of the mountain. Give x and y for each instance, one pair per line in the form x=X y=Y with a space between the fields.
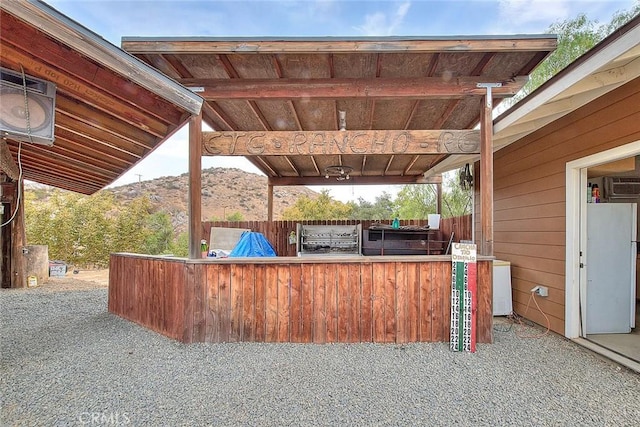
x=225 y=191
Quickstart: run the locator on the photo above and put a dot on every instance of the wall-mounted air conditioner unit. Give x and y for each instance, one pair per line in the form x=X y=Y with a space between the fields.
x=621 y=187
x=40 y=105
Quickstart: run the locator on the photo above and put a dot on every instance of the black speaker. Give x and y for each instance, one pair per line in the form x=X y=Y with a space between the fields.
x=19 y=96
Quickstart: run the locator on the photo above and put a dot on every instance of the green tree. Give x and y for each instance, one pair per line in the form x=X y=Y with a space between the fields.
x=76 y=228
x=456 y=201
x=160 y=235
x=180 y=246
x=415 y=201
x=621 y=17
x=575 y=37
x=92 y=229
x=322 y=207
x=381 y=209
x=50 y=222
x=84 y=230
x=235 y=216
x=130 y=226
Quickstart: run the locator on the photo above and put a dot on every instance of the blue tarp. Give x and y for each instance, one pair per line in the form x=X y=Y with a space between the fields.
x=253 y=244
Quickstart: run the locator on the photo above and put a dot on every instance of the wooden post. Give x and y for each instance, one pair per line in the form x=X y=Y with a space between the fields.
x=486 y=176
x=7 y=164
x=18 y=241
x=270 y=201
x=195 y=186
x=439 y=198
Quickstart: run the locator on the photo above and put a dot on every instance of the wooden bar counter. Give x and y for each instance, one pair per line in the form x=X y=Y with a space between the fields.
x=390 y=299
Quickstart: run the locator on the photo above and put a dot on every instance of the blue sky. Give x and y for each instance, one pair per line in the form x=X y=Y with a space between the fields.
x=113 y=19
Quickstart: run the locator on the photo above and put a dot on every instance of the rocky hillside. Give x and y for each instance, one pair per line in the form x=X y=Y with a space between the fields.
x=225 y=191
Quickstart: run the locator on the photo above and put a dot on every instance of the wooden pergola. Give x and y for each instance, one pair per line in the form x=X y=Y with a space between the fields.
x=380 y=110
x=309 y=111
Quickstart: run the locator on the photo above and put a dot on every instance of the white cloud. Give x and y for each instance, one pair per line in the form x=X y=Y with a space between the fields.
x=536 y=16
x=525 y=13
x=383 y=24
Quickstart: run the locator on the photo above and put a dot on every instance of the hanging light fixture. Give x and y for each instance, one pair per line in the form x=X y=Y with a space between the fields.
x=339 y=171
x=465 y=177
x=342 y=120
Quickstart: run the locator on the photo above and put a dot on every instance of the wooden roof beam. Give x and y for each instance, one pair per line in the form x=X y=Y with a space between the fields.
x=364 y=142
x=265 y=167
x=72 y=70
x=339 y=88
x=525 y=43
x=446 y=114
x=356 y=180
x=80 y=111
x=215 y=116
x=78 y=89
x=65 y=182
x=386 y=169
x=410 y=165
x=44 y=160
x=293 y=167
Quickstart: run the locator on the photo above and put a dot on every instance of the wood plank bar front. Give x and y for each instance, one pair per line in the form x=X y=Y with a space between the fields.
x=289 y=299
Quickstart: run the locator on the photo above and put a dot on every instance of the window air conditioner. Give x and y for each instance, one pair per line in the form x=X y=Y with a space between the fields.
x=621 y=187
x=40 y=95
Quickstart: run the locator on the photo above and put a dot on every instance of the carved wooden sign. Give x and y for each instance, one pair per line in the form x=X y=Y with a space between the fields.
x=365 y=142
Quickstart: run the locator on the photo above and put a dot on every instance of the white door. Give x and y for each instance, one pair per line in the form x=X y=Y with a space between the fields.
x=611 y=261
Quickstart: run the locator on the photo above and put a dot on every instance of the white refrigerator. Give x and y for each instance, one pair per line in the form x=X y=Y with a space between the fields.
x=611 y=268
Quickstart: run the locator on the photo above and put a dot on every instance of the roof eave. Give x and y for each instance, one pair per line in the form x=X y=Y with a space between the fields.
x=623 y=43
x=78 y=37
x=615 y=46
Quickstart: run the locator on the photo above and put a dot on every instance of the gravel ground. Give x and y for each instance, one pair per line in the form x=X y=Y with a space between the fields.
x=67 y=361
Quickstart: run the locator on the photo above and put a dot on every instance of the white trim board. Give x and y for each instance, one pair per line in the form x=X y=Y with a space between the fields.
x=622 y=360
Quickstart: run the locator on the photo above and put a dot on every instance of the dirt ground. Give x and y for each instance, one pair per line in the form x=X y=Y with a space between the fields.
x=84 y=279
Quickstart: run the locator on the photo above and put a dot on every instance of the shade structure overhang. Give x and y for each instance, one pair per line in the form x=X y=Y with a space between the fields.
x=607 y=66
x=111 y=109
x=388 y=109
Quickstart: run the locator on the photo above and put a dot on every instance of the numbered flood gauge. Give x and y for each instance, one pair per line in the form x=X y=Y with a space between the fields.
x=464 y=285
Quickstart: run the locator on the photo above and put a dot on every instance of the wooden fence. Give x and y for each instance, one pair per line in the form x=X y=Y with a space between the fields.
x=277 y=232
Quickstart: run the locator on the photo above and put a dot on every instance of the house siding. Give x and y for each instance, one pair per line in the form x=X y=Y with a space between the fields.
x=529 y=195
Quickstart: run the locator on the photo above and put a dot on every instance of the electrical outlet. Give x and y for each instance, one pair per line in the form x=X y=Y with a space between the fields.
x=543 y=291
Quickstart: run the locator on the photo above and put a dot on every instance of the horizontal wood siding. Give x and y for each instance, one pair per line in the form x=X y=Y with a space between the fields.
x=529 y=195
x=277 y=232
x=386 y=302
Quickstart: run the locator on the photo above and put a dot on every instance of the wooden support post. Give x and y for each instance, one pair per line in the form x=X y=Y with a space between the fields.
x=270 y=201
x=195 y=186
x=18 y=240
x=7 y=163
x=439 y=198
x=486 y=175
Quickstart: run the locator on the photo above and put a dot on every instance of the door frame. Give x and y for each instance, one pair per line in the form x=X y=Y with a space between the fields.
x=576 y=199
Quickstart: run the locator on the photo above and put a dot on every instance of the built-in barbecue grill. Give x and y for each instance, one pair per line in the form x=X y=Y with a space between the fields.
x=328 y=239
